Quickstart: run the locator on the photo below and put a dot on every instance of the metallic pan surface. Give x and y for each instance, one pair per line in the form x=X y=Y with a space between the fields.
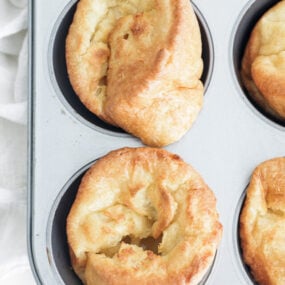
x=229 y=138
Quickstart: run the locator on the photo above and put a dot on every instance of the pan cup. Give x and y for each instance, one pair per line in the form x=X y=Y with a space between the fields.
x=63 y=87
x=57 y=246
x=56 y=231
x=242 y=266
x=241 y=34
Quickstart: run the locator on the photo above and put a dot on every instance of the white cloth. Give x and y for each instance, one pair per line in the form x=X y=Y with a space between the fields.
x=14 y=264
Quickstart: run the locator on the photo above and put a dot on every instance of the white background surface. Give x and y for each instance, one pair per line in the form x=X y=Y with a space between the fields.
x=14 y=265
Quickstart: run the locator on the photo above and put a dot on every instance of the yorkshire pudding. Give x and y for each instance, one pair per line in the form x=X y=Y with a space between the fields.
x=137 y=65
x=263 y=64
x=134 y=194
x=262 y=223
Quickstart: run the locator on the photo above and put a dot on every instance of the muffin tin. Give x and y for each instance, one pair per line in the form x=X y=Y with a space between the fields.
x=229 y=138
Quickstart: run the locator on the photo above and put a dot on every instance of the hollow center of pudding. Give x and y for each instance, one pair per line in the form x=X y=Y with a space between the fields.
x=147 y=244
x=151 y=244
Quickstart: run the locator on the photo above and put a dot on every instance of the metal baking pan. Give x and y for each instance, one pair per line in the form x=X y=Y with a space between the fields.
x=230 y=137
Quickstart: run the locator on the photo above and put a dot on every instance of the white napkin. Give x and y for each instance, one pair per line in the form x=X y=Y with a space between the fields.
x=14 y=265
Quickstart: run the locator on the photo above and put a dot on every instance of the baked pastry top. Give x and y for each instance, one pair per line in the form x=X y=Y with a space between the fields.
x=134 y=194
x=262 y=223
x=263 y=64
x=137 y=65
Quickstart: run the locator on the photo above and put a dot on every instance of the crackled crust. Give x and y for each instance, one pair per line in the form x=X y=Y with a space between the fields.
x=262 y=223
x=263 y=64
x=137 y=64
x=140 y=193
